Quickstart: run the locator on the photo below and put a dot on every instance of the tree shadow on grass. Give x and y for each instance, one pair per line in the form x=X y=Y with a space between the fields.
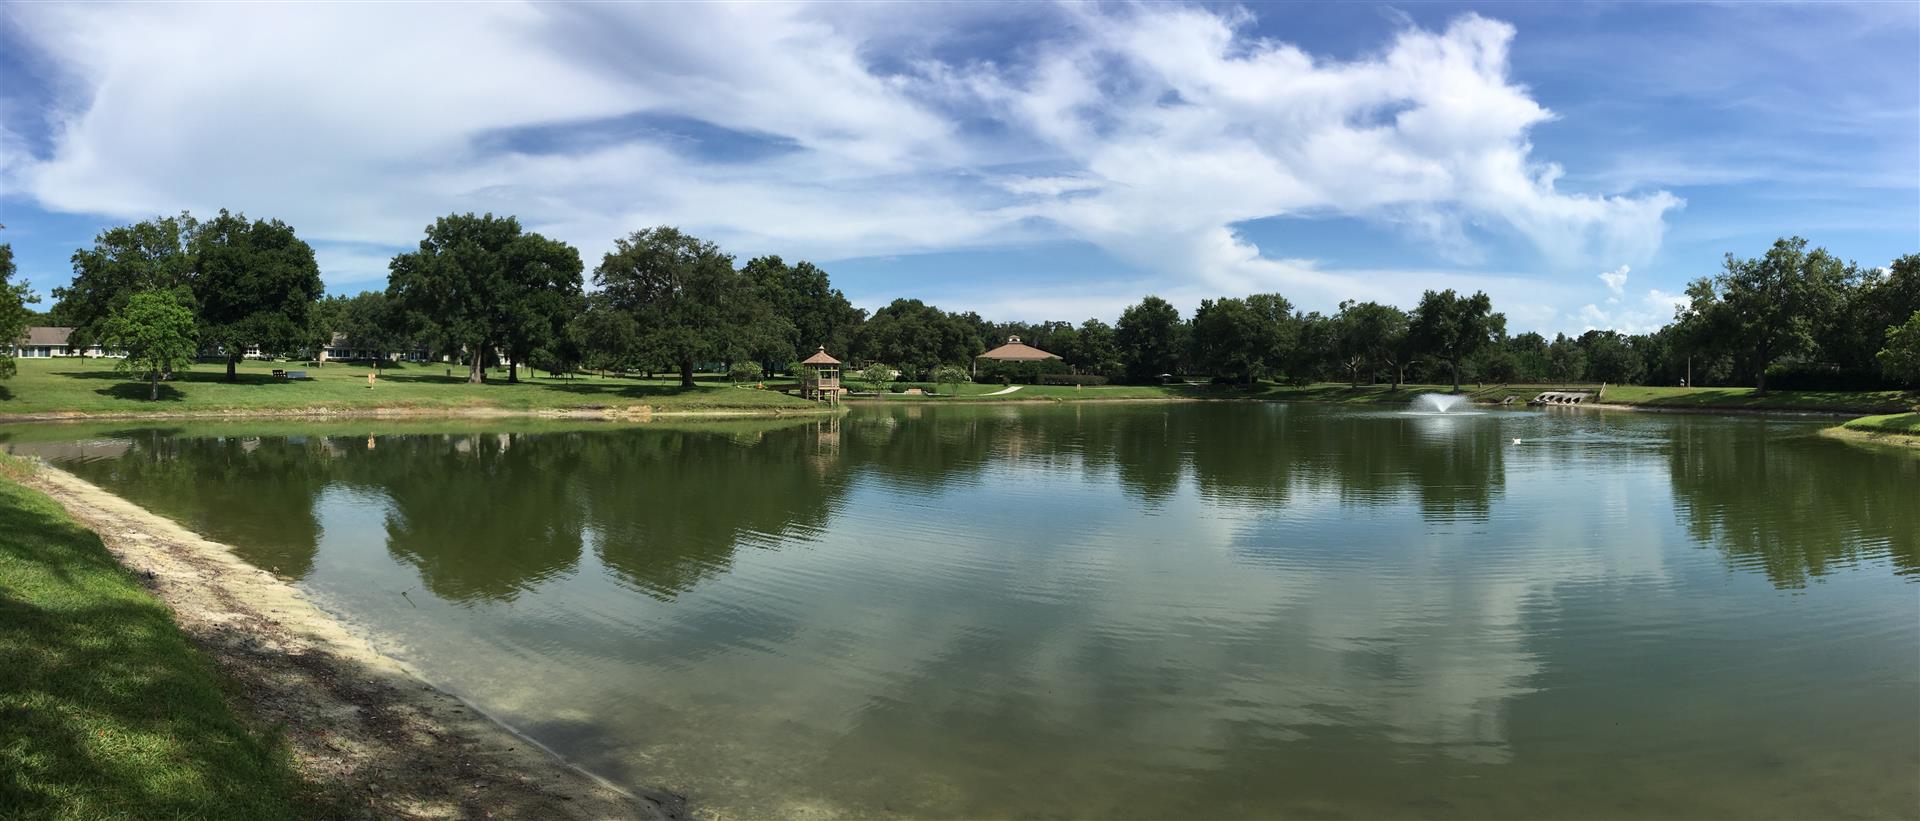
x=6 y=393
x=191 y=377
x=112 y=712
x=141 y=391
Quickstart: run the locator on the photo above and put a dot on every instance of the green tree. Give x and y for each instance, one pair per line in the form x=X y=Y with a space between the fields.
x=1566 y=362
x=1094 y=348
x=877 y=375
x=1242 y=339
x=157 y=331
x=744 y=371
x=543 y=293
x=916 y=337
x=608 y=339
x=814 y=313
x=253 y=283
x=14 y=314
x=688 y=302
x=1453 y=328
x=1376 y=335
x=1770 y=306
x=1151 y=338
x=1900 y=359
x=368 y=320
x=124 y=260
x=479 y=283
x=952 y=376
x=1611 y=358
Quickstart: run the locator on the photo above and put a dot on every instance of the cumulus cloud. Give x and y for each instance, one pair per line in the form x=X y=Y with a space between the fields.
x=1148 y=131
x=1616 y=280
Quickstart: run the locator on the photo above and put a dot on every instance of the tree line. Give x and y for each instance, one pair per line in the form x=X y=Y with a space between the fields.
x=483 y=291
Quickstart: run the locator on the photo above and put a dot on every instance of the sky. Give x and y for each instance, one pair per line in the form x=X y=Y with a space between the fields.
x=1031 y=161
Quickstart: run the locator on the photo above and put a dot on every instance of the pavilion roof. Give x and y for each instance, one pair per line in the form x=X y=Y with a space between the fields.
x=820 y=358
x=1017 y=351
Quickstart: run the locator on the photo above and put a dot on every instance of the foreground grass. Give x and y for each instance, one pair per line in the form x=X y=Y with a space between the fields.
x=105 y=710
x=45 y=386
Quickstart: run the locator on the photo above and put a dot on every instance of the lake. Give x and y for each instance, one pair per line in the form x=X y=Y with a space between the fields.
x=1193 y=610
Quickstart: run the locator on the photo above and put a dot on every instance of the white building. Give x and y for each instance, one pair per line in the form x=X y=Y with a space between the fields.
x=50 y=341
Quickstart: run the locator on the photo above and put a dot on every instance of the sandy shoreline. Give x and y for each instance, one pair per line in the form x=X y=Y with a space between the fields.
x=360 y=724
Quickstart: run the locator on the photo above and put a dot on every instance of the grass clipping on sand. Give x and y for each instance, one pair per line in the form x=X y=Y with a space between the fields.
x=106 y=711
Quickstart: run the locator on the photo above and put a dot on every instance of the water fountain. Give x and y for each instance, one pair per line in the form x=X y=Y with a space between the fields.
x=1438 y=402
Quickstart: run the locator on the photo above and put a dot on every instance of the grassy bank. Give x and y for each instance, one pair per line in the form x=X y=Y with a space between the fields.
x=1707 y=399
x=47 y=386
x=106 y=711
x=1907 y=424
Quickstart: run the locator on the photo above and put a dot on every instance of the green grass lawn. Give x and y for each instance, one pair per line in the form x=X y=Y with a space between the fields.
x=106 y=711
x=92 y=386
x=1904 y=423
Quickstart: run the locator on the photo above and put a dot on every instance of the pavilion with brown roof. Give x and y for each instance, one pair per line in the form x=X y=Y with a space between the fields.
x=1017 y=351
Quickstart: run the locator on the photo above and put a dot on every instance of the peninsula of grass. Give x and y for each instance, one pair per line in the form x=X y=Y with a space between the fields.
x=1906 y=424
x=49 y=387
x=106 y=710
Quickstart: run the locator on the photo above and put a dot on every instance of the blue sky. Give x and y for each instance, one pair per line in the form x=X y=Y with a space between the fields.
x=1029 y=161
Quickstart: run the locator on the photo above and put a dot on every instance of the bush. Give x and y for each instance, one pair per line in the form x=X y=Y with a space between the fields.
x=1818 y=376
x=1072 y=379
x=1026 y=373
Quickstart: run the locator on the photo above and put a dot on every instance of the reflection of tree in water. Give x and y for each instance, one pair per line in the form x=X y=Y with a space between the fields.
x=1261 y=454
x=483 y=516
x=1796 y=507
x=669 y=507
x=256 y=494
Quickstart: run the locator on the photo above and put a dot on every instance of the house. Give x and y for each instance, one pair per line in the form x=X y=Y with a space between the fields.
x=341 y=347
x=49 y=341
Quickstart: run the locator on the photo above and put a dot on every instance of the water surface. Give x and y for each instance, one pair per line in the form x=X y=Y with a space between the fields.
x=1200 y=610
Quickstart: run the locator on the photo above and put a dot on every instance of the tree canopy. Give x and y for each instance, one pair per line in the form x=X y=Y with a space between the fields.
x=156 y=331
x=14 y=314
x=686 y=299
x=253 y=283
x=480 y=284
x=1151 y=338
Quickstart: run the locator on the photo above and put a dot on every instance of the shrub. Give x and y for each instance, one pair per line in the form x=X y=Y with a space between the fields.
x=1072 y=379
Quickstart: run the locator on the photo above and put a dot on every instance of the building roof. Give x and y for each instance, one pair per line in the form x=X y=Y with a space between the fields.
x=1017 y=351
x=53 y=335
x=820 y=358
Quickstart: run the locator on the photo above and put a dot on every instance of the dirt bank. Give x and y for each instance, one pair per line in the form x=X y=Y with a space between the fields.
x=360 y=724
x=1873 y=437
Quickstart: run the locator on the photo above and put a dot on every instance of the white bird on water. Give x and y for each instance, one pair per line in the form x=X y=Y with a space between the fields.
x=1516 y=441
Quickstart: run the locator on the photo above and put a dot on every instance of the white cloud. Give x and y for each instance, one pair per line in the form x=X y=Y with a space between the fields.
x=1149 y=131
x=1615 y=279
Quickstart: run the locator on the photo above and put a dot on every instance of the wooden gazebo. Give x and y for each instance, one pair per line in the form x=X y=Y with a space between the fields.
x=822 y=380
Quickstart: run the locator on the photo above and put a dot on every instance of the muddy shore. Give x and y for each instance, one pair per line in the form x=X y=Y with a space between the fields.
x=360 y=724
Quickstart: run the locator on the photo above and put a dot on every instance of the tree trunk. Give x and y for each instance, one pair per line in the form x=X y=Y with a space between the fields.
x=1398 y=374
x=686 y=372
x=477 y=374
x=1456 y=374
x=232 y=365
x=153 y=386
x=513 y=370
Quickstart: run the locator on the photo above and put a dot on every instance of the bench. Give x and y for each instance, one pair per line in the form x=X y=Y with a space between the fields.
x=289 y=375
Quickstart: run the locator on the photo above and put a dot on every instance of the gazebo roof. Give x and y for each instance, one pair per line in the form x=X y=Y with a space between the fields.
x=1017 y=351
x=820 y=358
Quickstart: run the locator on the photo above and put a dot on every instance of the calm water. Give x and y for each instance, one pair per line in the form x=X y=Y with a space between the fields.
x=1140 y=610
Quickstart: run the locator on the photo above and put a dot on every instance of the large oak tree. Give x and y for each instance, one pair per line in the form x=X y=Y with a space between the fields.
x=253 y=283
x=688 y=302
x=483 y=285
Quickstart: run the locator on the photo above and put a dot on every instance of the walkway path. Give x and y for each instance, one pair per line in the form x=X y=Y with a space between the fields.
x=1004 y=391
